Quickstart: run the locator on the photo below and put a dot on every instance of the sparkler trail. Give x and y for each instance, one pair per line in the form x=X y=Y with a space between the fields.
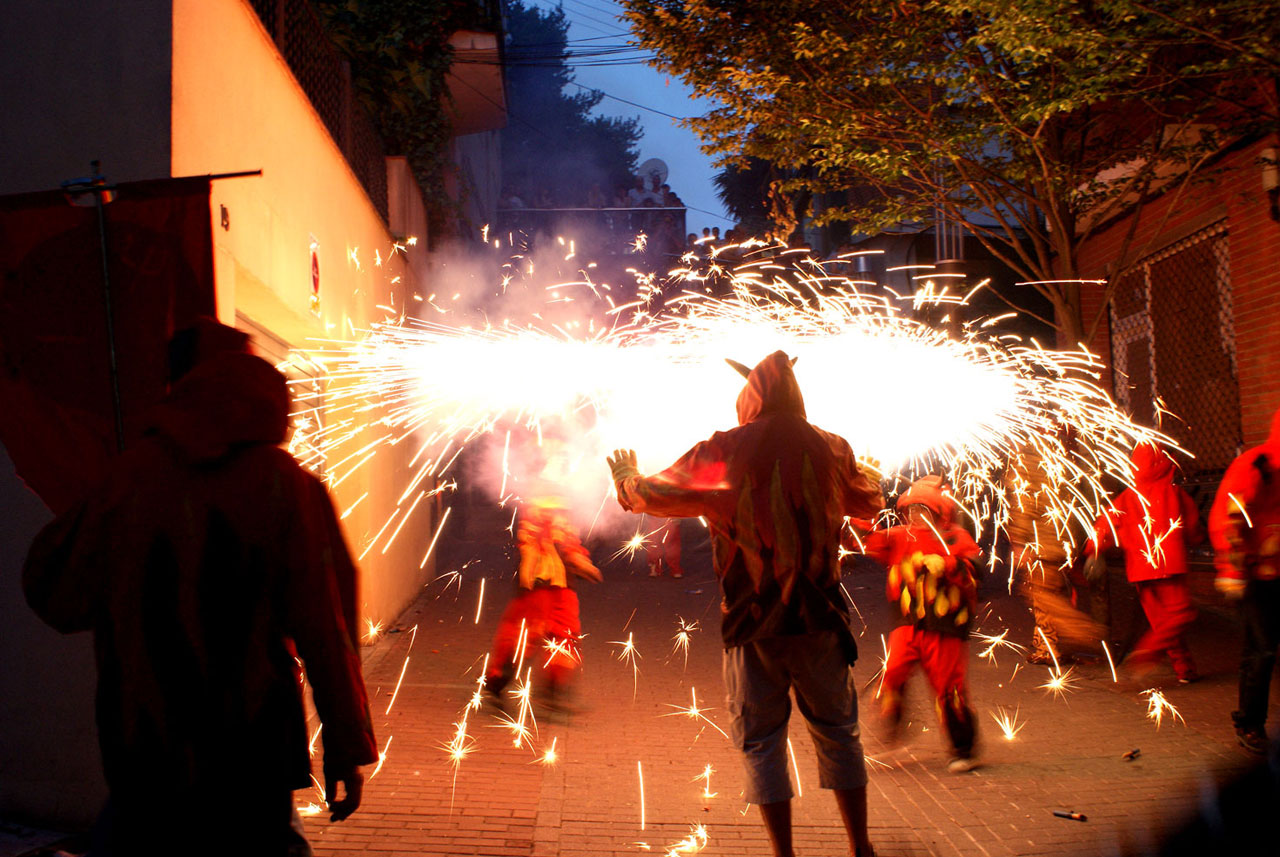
x=795 y=767
x=452 y=380
x=640 y=774
x=1110 y=662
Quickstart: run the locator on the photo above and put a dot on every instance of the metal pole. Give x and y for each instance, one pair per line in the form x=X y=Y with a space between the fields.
x=106 y=299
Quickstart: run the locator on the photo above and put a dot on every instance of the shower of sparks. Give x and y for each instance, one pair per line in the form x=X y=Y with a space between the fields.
x=1158 y=707
x=451 y=379
x=372 y=630
x=693 y=712
x=705 y=776
x=796 y=768
x=311 y=745
x=628 y=654
x=1060 y=683
x=680 y=642
x=1106 y=651
x=640 y=774
x=996 y=642
x=1008 y=723
x=309 y=809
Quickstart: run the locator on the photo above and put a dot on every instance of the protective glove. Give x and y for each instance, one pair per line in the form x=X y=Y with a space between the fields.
x=1231 y=587
x=623 y=464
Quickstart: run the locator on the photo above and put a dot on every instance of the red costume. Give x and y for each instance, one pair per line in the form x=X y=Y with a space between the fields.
x=545 y=609
x=1244 y=525
x=1154 y=522
x=774 y=492
x=932 y=586
x=663 y=549
x=207 y=564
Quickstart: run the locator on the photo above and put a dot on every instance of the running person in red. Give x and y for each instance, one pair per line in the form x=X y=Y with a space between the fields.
x=1244 y=525
x=1154 y=521
x=544 y=609
x=774 y=492
x=933 y=586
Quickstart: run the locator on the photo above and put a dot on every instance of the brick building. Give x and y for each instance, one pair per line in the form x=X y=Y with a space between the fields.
x=1193 y=321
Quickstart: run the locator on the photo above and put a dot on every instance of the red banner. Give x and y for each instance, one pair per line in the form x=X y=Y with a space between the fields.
x=57 y=411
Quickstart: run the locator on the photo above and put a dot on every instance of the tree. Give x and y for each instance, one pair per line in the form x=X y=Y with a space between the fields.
x=745 y=192
x=1049 y=118
x=550 y=134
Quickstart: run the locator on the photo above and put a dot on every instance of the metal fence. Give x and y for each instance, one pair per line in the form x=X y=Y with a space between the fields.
x=1174 y=352
x=326 y=78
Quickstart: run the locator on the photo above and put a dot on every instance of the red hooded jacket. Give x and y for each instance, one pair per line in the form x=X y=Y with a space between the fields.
x=1154 y=521
x=206 y=564
x=1244 y=523
x=774 y=492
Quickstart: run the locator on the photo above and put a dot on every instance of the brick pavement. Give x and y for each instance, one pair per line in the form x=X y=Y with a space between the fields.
x=501 y=800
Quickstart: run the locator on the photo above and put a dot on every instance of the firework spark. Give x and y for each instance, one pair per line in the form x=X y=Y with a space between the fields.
x=680 y=642
x=995 y=642
x=1158 y=706
x=1060 y=683
x=705 y=776
x=1008 y=723
x=629 y=655
x=694 y=712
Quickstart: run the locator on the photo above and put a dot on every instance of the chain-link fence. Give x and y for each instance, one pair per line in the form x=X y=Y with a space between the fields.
x=1173 y=349
x=326 y=78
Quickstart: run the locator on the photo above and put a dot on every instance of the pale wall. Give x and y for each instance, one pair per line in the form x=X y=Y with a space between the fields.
x=236 y=106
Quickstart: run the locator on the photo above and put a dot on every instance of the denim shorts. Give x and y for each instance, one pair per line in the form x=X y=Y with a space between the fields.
x=759 y=677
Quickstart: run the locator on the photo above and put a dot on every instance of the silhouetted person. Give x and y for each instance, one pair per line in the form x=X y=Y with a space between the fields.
x=1244 y=526
x=207 y=564
x=774 y=492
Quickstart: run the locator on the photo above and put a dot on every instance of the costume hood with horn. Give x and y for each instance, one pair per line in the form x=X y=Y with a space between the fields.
x=774 y=492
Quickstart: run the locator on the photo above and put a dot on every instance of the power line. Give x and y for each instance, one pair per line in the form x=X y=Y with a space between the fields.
x=632 y=103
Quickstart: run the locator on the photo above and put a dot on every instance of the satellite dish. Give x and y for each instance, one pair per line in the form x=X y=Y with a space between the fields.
x=654 y=171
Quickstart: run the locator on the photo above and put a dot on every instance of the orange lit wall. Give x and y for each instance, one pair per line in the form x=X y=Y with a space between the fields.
x=236 y=106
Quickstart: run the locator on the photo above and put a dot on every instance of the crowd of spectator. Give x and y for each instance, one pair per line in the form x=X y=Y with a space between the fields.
x=645 y=192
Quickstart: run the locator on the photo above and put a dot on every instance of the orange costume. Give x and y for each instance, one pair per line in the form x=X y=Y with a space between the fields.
x=933 y=587
x=545 y=609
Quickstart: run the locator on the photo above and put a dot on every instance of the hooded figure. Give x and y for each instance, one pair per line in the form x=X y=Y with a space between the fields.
x=775 y=492
x=207 y=564
x=932 y=585
x=1153 y=522
x=1244 y=526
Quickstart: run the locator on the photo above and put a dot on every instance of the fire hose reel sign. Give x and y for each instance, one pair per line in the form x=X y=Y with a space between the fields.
x=315 y=275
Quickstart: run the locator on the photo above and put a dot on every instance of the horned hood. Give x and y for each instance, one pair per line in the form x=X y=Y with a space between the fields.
x=771 y=389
